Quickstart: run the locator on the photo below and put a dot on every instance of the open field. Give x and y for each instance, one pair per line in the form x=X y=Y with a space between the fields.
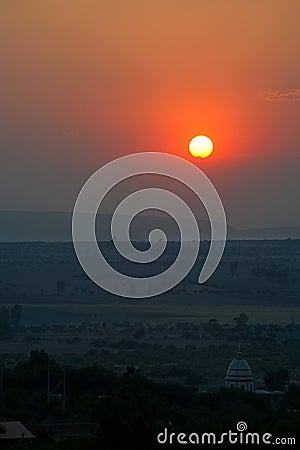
x=30 y=274
x=76 y=313
x=188 y=334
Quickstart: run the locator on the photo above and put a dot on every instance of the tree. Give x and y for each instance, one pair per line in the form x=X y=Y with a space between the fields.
x=60 y=287
x=128 y=410
x=257 y=273
x=277 y=379
x=16 y=316
x=233 y=267
x=6 y=330
x=241 y=320
x=139 y=333
x=214 y=327
x=38 y=358
x=282 y=276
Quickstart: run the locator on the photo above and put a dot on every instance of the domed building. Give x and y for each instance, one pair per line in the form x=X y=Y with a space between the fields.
x=239 y=374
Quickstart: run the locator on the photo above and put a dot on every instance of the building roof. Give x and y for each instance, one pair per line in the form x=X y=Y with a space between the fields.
x=65 y=429
x=239 y=370
x=15 y=430
x=264 y=392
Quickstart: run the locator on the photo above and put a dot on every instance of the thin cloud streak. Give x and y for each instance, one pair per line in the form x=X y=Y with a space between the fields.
x=71 y=133
x=283 y=96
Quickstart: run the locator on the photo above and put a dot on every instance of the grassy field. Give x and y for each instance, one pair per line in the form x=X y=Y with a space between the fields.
x=155 y=313
x=31 y=272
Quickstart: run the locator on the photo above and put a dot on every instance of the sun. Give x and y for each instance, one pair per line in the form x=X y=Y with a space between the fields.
x=201 y=146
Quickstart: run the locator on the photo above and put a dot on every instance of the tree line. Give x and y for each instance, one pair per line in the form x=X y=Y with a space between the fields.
x=10 y=321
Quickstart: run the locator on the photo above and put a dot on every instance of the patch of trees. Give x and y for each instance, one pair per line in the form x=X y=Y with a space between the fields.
x=10 y=321
x=241 y=321
x=277 y=379
x=273 y=273
x=60 y=287
x=129 y=410
x=233 y=266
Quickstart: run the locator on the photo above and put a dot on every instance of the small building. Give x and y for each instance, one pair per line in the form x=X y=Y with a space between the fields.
x=14 y=431
x=273 y=397
x=239 y=375
x=57 y=430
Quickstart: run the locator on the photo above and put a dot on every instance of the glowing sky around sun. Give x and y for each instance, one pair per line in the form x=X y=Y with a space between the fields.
x=84 y=82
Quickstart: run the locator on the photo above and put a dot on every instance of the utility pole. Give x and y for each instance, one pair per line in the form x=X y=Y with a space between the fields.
x=1 y=381
x=48 y=383
x=292 y=344
x=64 y=391
x=292 y=325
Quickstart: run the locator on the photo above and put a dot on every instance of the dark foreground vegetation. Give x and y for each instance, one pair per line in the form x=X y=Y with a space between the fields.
x=129 y=410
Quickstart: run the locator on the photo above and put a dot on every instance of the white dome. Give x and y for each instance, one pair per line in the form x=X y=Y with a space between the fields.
x=239 y=374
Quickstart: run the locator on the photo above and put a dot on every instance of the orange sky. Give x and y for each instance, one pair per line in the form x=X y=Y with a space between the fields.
x=84 y=81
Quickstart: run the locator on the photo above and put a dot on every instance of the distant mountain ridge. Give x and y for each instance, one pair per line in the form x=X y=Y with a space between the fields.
x=20 y=226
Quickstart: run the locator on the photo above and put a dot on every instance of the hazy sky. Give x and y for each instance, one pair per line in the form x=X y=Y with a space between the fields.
x=83 y=82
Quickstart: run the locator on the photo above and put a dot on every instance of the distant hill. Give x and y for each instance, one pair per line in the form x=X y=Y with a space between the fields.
x=268 y=233
x=18 y=226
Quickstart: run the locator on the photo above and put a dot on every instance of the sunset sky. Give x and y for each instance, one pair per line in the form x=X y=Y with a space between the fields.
x=83 y=82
